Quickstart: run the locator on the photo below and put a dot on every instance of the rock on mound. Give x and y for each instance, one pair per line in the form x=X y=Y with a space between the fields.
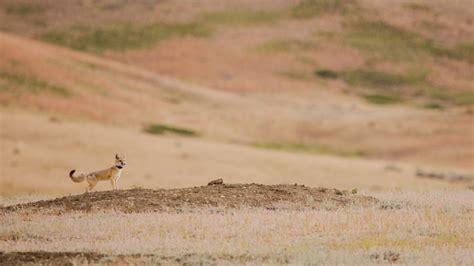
x=220 y=196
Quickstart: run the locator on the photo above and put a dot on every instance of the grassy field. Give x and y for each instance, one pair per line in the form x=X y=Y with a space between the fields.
x=405 y=227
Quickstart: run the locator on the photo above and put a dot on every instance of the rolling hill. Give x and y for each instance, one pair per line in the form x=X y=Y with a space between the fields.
x=349 y=94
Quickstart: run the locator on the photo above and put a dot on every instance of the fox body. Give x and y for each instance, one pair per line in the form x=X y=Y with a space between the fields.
x=112 y=173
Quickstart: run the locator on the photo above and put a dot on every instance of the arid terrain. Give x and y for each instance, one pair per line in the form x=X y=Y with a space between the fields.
x=343 y=131
x=246 y=223
x=219 y=196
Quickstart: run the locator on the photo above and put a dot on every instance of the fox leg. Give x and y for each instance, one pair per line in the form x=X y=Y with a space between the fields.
x=92 y=181
x=114 y=183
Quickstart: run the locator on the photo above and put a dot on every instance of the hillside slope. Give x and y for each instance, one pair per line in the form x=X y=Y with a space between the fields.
x=43 y=77
x=299 y=93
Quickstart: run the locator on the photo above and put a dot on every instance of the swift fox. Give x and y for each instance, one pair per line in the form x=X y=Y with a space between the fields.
x=112 y=173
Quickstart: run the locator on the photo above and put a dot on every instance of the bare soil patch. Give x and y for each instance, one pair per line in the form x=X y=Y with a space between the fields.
x=72 y=258
x=40 y=257
x=217 y=196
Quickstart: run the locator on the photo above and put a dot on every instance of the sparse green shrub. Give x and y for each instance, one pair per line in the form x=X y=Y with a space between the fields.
x=380 y=79
x=462 y=51
x=432 y=105
x=285 y=46
x=19 y=83
x=464 y=97
x=311 y=148
x=383 y=40
x=160 y=129
x=416 y=7
x=431 y=25
x=240 y=17
x=311 y=8
x=382 y=99
x=122 y=36
x=454 y=97
x=23 y=9
x=297 y=75
x=390 y=42
x=326 y=73
x=388 y=87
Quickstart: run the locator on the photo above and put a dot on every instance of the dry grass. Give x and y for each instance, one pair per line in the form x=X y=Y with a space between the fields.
x=423 y=228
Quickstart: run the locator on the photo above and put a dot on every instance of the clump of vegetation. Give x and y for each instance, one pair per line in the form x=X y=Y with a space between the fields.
x=240 y=17
x=384 y=40
x=386 y=86
x=382 y=98
x=380 y=79
x=390 y=42
x=417 y=7
x=122 y=36
x=160 y=129
x=311 y=148
x=19 y=83
x=276 y=46
x=326 y=73
x=432 y=25
x=462 y=51
x=432 y=105
x=373 y=78
x=445 y=95
x=311 y=8
x=23 y=9
x=464 y=97
x=297 y=75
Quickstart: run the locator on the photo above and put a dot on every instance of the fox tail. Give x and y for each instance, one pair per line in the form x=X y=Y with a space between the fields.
x=76 y=179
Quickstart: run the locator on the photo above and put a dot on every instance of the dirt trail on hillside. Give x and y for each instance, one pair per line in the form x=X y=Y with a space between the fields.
x=212 y=196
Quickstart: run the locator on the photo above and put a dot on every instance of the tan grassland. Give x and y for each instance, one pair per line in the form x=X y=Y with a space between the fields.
x=421 y=227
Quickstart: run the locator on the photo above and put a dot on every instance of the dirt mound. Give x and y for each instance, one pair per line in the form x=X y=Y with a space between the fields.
x=218 y=196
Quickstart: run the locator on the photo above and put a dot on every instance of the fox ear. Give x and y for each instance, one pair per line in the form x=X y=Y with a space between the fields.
x=116 y=156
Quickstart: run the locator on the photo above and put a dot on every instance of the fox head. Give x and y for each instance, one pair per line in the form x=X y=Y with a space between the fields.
x=119 y=161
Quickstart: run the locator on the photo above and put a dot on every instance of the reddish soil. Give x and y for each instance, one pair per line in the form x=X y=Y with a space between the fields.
x=215 y=196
